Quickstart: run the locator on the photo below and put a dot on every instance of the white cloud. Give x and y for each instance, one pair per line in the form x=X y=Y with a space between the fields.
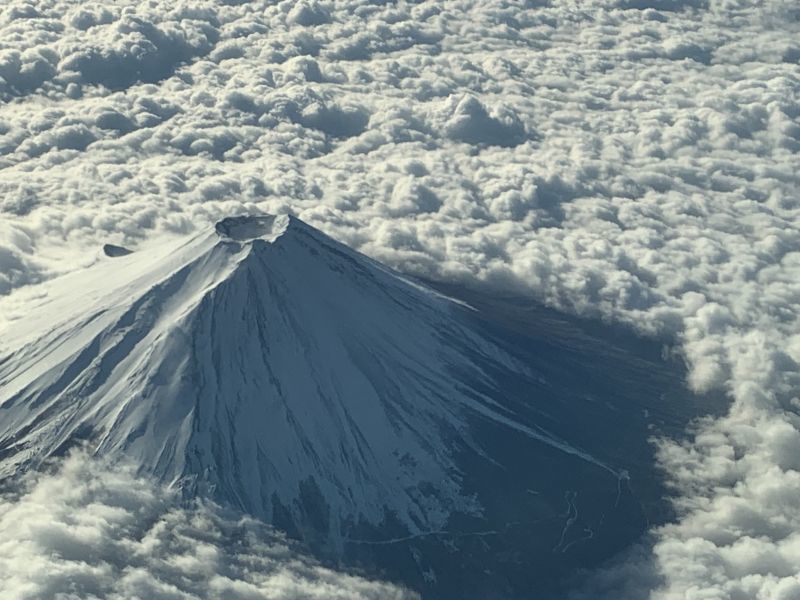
x=93 y=530
x=628 y=159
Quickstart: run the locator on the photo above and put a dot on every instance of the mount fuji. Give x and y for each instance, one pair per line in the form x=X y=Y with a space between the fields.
x=384 y=423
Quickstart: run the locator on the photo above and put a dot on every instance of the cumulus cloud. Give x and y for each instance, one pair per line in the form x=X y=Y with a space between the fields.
x=92 y=530
x=630 y=159
x=471 y=122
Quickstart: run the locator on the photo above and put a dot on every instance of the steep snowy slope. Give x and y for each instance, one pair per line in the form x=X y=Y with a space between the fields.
x=268 y=367
x=263 y=363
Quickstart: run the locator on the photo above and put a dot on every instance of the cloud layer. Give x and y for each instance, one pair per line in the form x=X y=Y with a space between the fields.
x=635 y=160
x=92 y=531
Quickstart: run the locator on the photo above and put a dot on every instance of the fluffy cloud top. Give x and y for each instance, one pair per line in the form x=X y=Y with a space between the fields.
x=92 y=531
x=635 y=160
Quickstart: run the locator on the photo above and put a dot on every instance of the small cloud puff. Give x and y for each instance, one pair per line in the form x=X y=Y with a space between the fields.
x=472 y=123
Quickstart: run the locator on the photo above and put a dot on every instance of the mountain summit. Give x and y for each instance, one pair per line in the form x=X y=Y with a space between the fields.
x=276 y=370
x=258 y=361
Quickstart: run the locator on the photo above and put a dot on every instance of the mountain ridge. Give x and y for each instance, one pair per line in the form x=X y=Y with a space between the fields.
x=347 y=368
x=385 y=422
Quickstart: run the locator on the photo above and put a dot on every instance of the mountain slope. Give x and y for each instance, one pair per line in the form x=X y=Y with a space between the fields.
x=467 y=452
x=263 y=362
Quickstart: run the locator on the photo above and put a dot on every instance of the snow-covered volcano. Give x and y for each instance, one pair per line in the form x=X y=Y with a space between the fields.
x=269 y=366
x=273 y=369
